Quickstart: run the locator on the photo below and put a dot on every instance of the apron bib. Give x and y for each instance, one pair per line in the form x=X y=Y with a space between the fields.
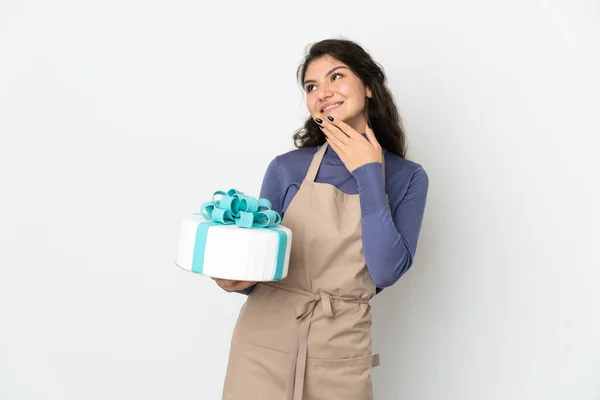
x=308 y=336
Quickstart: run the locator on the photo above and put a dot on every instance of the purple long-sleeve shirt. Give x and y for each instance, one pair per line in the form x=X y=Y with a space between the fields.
x=389 y=233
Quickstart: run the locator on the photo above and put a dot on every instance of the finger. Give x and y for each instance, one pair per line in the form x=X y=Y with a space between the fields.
x=244 y=285
x=345 y=128
x=334 y=137
x=335 y=147
x=230 y=285
x=219 y=283
x=224 y=283
x=336 y=131
x=238 y=285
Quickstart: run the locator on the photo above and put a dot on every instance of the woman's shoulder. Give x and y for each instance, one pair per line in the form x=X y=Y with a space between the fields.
x=398 y=165
x=294 y=158
x=297 y=154
x=292 y=164
x=402 y=174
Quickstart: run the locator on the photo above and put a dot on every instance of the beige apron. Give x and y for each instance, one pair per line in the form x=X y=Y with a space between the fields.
x=308 y=336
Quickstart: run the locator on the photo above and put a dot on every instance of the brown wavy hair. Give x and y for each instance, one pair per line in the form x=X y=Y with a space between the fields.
x=383 y=114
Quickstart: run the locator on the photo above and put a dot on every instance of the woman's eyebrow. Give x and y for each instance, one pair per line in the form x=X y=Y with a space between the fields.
x=328 y=73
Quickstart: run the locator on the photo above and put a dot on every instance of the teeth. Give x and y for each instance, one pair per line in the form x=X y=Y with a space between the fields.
x=332 y=106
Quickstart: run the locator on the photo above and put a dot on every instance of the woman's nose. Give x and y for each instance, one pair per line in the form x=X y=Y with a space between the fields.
x=324 y=92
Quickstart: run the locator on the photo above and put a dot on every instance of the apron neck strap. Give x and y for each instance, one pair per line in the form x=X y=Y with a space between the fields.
x=316 y=163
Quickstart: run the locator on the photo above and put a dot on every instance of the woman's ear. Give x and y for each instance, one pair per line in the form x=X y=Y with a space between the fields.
x=369 y=94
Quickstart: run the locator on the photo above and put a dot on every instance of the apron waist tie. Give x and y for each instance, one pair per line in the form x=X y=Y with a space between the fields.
x=299 y=354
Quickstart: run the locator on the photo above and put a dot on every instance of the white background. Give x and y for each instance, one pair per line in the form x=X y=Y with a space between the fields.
x=118 y=118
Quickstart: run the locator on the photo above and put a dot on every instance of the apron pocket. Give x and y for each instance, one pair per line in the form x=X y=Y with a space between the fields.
x=343 y=379
x=255 y=373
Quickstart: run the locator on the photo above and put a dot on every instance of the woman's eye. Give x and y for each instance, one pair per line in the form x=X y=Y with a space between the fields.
x=308 y=90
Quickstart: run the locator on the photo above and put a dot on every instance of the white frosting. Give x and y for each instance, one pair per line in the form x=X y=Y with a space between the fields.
x=248 y=254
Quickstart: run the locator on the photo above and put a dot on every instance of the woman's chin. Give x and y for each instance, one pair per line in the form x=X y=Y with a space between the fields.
x=335 y=114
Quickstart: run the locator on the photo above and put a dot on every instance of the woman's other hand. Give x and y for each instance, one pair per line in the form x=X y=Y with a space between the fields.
x=353 y=149
x=232 y=286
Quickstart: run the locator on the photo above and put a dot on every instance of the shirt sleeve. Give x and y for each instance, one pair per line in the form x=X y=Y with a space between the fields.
x=389 y=238
x=271 y=190
x=271 y=186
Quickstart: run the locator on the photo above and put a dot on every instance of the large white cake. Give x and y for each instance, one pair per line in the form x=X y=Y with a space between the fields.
x=232 y=252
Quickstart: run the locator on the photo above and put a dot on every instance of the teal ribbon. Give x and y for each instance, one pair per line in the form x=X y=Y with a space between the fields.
x=234 y=207
x=245 y=211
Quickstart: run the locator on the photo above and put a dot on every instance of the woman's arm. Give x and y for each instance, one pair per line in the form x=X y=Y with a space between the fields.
x=389 y=237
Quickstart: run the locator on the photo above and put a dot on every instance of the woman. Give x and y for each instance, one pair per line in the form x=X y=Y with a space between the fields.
x=308 y=336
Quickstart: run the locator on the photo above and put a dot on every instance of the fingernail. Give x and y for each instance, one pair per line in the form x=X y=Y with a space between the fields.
x=320 y=125
x=319 y=120
x=329 y=117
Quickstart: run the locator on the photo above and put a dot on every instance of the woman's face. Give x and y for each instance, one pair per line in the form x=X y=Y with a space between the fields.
x=329 y=82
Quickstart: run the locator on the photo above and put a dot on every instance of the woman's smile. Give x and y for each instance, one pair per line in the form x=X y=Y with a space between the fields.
x=330 y=108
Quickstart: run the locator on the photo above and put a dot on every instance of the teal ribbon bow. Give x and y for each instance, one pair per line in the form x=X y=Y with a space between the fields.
x=234 y=207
